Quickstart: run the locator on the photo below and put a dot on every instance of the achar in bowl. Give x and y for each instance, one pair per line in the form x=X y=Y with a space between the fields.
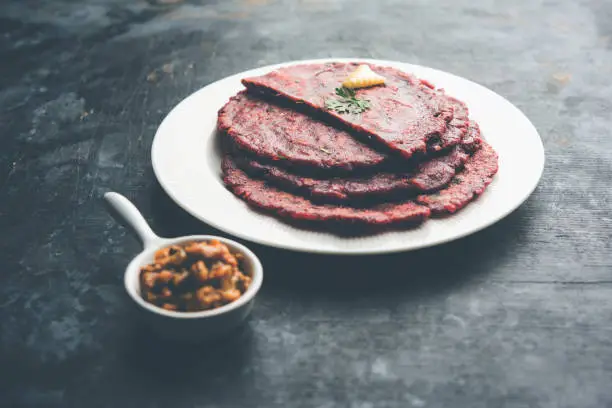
x=194 y=276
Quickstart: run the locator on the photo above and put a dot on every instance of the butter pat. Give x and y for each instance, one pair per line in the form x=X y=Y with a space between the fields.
x=363 y=77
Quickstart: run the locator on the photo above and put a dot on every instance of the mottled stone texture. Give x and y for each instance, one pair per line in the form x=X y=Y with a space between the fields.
x=516 y=316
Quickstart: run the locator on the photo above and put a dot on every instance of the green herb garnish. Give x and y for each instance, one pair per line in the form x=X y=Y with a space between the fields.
x=347 y=102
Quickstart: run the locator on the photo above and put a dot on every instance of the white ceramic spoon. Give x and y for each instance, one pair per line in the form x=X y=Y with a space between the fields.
x=190 y=326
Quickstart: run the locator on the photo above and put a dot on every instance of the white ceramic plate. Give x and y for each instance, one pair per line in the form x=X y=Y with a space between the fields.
x=186 y=162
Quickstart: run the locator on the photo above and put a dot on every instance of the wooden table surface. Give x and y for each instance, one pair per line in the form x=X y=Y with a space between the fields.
x=519 y=315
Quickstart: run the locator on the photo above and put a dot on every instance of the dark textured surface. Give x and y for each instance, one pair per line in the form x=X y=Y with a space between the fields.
x=516 y=316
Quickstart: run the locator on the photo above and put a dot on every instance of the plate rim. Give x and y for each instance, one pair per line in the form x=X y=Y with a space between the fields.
x=261 y=240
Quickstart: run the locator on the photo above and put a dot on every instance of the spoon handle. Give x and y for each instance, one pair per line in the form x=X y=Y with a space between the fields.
x=128 y=215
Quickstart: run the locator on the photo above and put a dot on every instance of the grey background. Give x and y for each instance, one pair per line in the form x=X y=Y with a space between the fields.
x=518 y=315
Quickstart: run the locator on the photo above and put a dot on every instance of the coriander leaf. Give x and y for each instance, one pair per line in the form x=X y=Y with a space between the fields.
x=348 y=102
